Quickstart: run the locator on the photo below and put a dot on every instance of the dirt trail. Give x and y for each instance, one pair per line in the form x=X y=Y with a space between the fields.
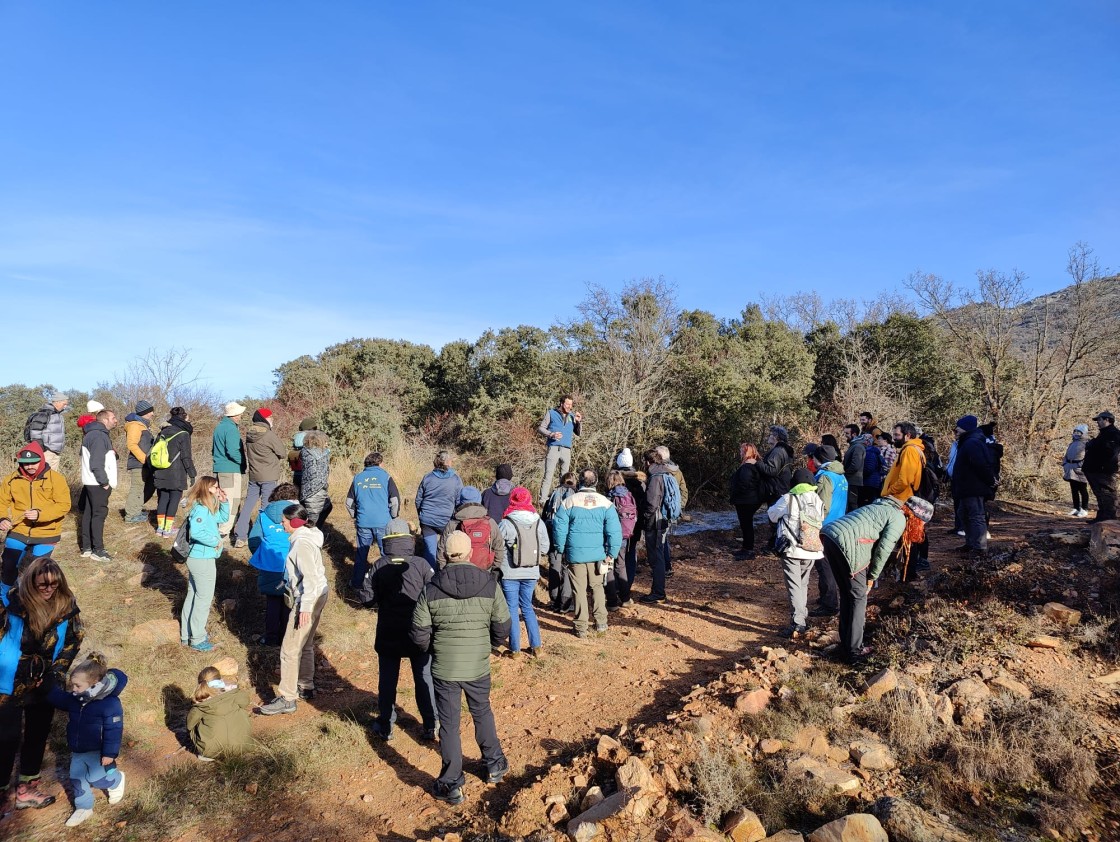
x=547 y=709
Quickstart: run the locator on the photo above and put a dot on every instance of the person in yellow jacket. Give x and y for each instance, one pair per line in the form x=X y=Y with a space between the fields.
x=33 y=502
x=905 y=476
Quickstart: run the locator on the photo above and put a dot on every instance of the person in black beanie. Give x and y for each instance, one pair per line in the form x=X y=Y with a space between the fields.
x=496 y=497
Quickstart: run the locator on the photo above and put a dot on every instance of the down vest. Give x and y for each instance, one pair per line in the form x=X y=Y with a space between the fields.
x=460 y=616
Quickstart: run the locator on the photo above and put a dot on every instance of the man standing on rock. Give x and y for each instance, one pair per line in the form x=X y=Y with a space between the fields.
x=45 y=426
x=138 y=436
x=558 y=427
x=229 y=461
x=1102 y=462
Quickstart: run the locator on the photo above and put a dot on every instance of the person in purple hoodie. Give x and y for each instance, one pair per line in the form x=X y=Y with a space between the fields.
x=496 y=497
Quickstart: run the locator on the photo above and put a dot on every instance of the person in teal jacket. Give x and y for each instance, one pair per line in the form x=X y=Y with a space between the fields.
x=209 y=507
x=269 y=543
x=588 y=532
x=832 y=488
x=228 y=453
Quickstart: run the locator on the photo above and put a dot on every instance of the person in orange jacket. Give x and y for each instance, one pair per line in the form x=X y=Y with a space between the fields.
x=33 y=502
x=905 y=476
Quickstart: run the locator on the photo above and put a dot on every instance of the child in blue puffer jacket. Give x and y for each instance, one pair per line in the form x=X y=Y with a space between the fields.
x=94 y=732
x=269 y=544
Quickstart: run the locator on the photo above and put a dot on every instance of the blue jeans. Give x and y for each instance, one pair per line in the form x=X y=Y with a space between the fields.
x=388 y=673
x=431 y=543
x=86 y=772
x=519 y=594
x=366 y=537
x=257 y=491
x=17 y=553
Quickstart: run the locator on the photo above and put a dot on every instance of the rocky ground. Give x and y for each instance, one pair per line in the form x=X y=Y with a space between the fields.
x=989 y=711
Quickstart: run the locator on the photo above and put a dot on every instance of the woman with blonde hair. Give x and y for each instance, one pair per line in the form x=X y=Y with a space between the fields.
x=40 y=634
x=209 y=507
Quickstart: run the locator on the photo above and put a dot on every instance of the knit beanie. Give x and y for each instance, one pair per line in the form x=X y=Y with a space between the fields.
x=263 y=414
x=520 y=500
x=470 y=494
x=968 y=423
x=1082 y=428
x=143 y=407
x=780 y=432
x=625 y=459
x=59 y=397
x=504 y=471
x=802 y=476
x=458 y=546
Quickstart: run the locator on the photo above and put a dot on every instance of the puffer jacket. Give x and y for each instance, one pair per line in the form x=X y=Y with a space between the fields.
x=264 y=453
x=868 y=535
x=30 y=668
x=461 y=615
x=787 y=513
x=97 y=724
x=496 y=498
x=436 y=497
x=395 y=583
x=316 y=471
x=746 y=485
x=206 y=540
x=1075 y=457
x=973 y=473
x=138 y=437
x=99 y=461
x=47 y=491
x=470 y=511
x=221 y=723
x=905 y=477
x=269 y=544
x=529 y=521
x=586 y=528
x=53 y=434
x=181 y=473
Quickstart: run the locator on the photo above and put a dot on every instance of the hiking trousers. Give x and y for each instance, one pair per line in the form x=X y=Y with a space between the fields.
x=232 y=485
x=797 y=573
x=556 y=455
x=582 y=577
x=91 y=534
x=33 y=720
x=853 y=600
x=297 y=653
x=388 y=675
x=1104 y=487
x=449 y=711
x=140 y=491
x=975 y=523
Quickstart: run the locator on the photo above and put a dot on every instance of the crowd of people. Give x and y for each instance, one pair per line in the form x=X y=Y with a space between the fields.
x=461 y=585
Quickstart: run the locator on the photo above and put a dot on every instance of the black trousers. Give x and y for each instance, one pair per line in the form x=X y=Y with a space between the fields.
x=389 y=673
x=1104 y=486
x=1079 y=491
x=276 y=614
x=853 y=600
x=449 y=709
x=34 y=722
x=91 y=534
x=168 y=501
x=559 y=588
x=746 y=515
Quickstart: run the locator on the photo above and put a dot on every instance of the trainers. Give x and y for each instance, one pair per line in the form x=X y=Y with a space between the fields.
x=100 y=555
x=238 y=543
x=277 y=705
x=448 y=794
x=78 y=816
x=29 y=796
x=204 y=646
x=430 y=735
x=204 y=759
x=495 y=775
x=1082 y=513
x=821 y=611
x=650 y=599
x=116 y=793
x=535 y=651
x=87 y=553
x=601 y=629
x=794 y=632
x=136 y=519
x=582 y=635
x=1073 y=512
x=306 y=694
x=961 y=532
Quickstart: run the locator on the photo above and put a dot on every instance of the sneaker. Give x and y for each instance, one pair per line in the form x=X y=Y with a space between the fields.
x=29 y=796
x=238 y=543
x=277 y=705
x=306 y=694
x=116 y=793
x=627 y=603
x=1074 y=513
x=987 y=535
x=1082 y=513
x=794 y=632
x=582 y=635
x=171 y=533
x=448 y=794
x=601 y=629
x=79 y=816
x=87 y=553
x=961 y=532
x=613 y=607
x=204 y=759
x=381 y=733
x=514 y=656
x=161 y=533
x=650 y=599
x=495 y=775
x=204 y=646
x=101 y=555
x=137 y=519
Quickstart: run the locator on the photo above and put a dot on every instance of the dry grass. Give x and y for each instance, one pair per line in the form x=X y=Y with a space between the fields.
x=816 y=691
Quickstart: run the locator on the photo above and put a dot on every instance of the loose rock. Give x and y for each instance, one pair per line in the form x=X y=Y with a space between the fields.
x=743 y=826
x=1063 y=615
x=906 y=822
x=752 y=702
x=872 y=755
x=858 y=827
x=880 y=684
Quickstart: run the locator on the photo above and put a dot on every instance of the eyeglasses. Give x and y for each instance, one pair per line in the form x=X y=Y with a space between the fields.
x=47 y=586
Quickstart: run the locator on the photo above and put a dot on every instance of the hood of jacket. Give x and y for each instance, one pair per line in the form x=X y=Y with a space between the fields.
x=663 y=468
x=257 y=430
x=175 y=425
x=307 y=535
x=639 y=475
x=523 y=517
x=502 y=487
x=275 y=510
x=114 y=683
x=220 y=704
x=95 y=426
x=802 y=488
x=618 y=491
x=469 y=511
x=42 y=466
x=462 y=580
x=443 y=473
x=833 y=467
x=132 y=416
x=399 y=546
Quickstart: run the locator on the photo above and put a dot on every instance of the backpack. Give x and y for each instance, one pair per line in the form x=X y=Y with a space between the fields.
x=182 y=546
x=627 y=512
x=808 y=531
x=932 y=455
x=670 y=497
x=526 y=549
x=554 y=501
x=478 y=530
x=36 y=422
x=159 y=456
x=929 y=488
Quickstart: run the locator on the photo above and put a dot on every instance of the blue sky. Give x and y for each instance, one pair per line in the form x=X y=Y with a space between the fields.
x=257 y=181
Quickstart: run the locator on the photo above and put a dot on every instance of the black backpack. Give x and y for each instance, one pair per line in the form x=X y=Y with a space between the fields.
x=930 y=486
x=36 y=422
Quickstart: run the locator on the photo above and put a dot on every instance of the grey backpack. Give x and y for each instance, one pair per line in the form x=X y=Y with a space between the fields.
x=526 y=550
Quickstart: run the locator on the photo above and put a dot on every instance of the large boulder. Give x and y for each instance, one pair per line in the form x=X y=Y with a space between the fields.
x=743 y=825
x=858 y=827
x=906 y=822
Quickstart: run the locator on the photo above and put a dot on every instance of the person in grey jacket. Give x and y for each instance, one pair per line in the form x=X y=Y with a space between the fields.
x=853 y=463
x=526 y=540
x=45 y=426
x=1074 y=475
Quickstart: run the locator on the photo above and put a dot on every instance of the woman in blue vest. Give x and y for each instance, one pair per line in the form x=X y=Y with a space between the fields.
x=40 y=634
x=558 y=427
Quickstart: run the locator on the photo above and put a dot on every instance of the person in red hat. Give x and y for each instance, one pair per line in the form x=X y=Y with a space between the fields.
x=265 y=456
x=34 y=500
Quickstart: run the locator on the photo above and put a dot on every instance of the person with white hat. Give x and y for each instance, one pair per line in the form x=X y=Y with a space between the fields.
x=229 y=461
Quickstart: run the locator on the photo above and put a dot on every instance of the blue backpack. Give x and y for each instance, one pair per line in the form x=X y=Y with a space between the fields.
x=670 y=498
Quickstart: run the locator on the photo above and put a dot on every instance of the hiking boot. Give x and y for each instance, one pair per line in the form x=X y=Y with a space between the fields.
x=430 y=735
x=514 y=656
x=276 y=706
x=495 y=775
x=306 y=694
x=116 y=793
x=448 y=794
x=30 y=797
x=78 y=816
x=385 y=734
x=650 y=599
x=794 y=632
x=601 y=629
x=535 y=651
x=136 y=519
x=822 y=611
x=582 y=635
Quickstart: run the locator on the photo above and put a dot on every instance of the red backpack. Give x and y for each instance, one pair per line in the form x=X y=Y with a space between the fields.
x=627 y=511
x=478 y=530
